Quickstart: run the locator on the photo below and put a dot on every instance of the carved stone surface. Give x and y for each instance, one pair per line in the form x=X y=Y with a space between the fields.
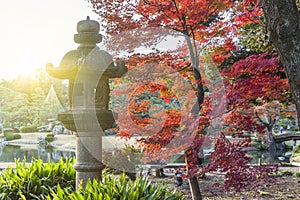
x=88 y=70
x=85 y=121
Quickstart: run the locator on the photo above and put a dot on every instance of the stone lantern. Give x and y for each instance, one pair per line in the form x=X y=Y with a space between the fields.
x=88 y=70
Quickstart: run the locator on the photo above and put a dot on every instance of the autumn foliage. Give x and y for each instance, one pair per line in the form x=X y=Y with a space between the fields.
x=231 y=158
x=253 y=82
x=157 y=95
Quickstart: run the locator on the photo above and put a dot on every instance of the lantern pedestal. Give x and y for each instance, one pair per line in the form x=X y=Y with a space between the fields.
x=88 y=157
x=85 y=125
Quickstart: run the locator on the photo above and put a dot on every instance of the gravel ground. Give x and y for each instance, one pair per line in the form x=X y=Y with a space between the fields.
x=286 y=187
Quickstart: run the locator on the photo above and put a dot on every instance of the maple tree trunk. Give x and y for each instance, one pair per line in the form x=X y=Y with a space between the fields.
x=194 y=187
x=282 y=20
x=272 y=146
x=193 y=182
x=196 y=72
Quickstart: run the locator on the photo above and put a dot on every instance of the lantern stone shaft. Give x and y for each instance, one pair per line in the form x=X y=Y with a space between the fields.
x=88 y=70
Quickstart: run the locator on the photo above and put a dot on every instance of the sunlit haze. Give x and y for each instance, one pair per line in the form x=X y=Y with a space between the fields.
x=36 y=32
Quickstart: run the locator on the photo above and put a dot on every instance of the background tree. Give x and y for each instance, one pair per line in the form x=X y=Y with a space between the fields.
x=253 y=74
x=282 y=22
x=254 y=84
x=15 y=108
x=24 y=99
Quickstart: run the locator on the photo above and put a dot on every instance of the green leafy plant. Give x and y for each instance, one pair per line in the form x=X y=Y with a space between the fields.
x=36 y=180
x=112 y=187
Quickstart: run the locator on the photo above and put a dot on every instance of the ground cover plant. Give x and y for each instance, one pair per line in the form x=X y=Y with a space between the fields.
x=113 y=187
x=36 y=180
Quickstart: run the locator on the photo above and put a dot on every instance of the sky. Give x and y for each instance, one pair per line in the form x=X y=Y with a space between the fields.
x=37 y=32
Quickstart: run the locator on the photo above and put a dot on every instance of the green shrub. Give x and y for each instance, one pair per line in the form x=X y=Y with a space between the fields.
x=17 y=136
x=284 y=122
x=118 y=188
x=28 y=129
x=9 y=135
x=296 y=174
x=36 y=180
x=8 y=130
x=287 y=173
x=49 y=137
x=124 y=159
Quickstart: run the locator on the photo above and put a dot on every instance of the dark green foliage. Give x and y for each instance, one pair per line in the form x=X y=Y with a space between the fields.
x=284 y=122
x=24 y=99
x=28 y=129
x=36 y=180
x=118 y=188
x=296 y=174
x=49 y=137
x=284 y=173
x=17 y=136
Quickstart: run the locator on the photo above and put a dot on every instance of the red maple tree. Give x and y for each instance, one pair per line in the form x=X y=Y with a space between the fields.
x=200 y=22
x=254 y=86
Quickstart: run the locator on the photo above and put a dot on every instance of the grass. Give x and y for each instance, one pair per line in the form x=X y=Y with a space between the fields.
x=268 y=194
x=286 y=173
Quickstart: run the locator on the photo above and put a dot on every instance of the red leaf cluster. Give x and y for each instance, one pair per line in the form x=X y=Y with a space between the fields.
x=231 y=158
x=251 y=82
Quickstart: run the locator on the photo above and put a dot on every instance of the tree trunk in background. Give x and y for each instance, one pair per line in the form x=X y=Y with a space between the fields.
x=282 y=20
x=272 y=145
x=196 y=72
